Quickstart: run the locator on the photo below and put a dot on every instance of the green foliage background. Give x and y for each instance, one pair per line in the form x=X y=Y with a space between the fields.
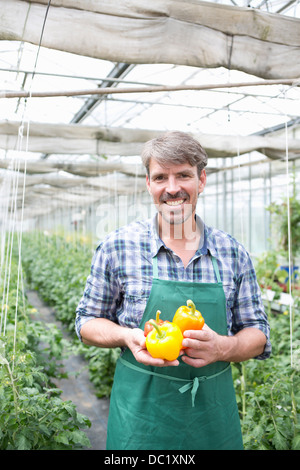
x=32 y=415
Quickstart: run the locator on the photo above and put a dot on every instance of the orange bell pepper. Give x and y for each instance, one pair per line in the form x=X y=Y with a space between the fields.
x=148 y=327
x=188 y=318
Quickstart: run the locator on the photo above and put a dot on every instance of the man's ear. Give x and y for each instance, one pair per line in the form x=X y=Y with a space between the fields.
x=202 y=182
x=148 y=184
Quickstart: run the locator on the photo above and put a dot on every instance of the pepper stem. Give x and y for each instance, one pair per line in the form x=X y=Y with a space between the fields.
x=160 y=334
x=157 y=315
x=192 y=306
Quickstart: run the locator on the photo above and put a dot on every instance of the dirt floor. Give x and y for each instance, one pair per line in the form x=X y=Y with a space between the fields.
x=77 y=387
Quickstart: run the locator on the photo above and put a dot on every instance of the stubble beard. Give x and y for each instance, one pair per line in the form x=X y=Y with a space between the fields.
x=180 y=223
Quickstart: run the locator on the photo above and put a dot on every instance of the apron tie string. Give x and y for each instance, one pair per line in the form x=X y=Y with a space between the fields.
x=191 y=384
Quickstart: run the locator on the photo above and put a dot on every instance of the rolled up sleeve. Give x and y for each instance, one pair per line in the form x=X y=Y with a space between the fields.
x=248 y=309
x=101 y=292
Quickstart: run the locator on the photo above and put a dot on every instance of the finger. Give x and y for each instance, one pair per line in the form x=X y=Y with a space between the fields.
x=194 y=362
x=192 y=343
x=195 y=353
x=198 y=335
x=162 y=363
x=171 y=363
x=147 y=359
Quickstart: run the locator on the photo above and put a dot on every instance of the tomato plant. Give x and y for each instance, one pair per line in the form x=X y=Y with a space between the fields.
x=32 y=415
x=58 y=269
x=268 y=392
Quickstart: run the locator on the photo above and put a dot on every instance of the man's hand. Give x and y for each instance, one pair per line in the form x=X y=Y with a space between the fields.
x=206 y=346
x=137 y=344
x=203 y=347
x=104 y=333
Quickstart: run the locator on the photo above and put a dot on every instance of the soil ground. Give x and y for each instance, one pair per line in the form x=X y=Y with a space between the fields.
x=77 y=387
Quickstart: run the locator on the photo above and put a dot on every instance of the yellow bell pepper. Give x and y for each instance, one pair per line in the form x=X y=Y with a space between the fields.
x=164 y=341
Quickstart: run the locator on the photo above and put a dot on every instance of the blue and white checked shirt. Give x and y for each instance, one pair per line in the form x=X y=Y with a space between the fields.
x=120 y=280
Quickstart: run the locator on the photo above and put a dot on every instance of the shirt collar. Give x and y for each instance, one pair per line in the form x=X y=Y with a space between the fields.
x=156 y=242
x=210 y=242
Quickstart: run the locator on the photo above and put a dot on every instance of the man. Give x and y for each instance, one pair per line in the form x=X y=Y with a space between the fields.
x=159 y=264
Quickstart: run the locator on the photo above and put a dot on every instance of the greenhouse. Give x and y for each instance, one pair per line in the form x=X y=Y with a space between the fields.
x=84 y=86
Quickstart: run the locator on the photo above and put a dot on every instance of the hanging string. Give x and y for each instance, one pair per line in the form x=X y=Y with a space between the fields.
x=24 y=180
x=13 y=180
x=13 y=193
x=10 y=222
x=240 y=189
x=14 y=208
x=19 y=276
x=289 y=236
x=40 y=41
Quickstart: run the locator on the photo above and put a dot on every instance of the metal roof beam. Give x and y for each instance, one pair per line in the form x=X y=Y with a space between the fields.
x=120 y=70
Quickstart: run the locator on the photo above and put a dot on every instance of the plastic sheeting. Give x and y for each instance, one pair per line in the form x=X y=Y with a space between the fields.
x=79 y=139
x=196 y=33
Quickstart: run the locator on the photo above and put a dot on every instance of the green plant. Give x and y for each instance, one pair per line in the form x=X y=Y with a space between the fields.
x=266 y=268
x=101 y=364
x=287 y=217
x=32 y=416
x=58 y=267
x=268 y=392
x=58 y=270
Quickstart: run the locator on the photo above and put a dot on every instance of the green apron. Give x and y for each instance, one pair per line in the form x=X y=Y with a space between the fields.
x=183 y=407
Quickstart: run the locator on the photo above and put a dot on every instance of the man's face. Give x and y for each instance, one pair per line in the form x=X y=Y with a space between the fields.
x=175 y=190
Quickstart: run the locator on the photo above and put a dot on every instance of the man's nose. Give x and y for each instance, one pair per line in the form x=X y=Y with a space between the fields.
x=172 y=185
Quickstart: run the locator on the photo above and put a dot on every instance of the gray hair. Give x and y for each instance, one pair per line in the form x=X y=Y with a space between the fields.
x=174 y=147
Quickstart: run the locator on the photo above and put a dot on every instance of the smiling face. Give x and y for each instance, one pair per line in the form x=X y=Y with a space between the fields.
x=175 y=190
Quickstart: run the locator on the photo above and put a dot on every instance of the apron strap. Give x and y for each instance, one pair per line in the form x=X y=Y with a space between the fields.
x=191 y=384
x=216 y=269
x=155 y=268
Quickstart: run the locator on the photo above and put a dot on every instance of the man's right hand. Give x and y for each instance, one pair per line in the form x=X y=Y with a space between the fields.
x=104 y=333
x=136 y=342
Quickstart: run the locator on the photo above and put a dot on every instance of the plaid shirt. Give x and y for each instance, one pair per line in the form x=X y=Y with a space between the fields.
x=120 y=280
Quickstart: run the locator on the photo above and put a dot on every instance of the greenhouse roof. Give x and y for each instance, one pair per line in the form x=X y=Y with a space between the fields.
x=84 y=84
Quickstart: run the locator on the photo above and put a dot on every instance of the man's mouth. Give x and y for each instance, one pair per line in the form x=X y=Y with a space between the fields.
x=174 y=200
x=177 y=202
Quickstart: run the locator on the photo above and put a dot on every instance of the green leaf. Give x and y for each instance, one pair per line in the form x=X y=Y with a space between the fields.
x=79 y=437
x=62 y=438
x=22 y=443
x=296 y=442
x=258 y=432
x=70 y=408
x=3 y=360
x=279 y=441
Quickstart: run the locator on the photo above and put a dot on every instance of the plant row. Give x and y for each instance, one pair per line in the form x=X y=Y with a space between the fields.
x=32 y=414
x=58 y=269
x=268 y=391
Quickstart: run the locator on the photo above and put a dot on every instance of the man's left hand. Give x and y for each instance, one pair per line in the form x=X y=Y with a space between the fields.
x=203 y=347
